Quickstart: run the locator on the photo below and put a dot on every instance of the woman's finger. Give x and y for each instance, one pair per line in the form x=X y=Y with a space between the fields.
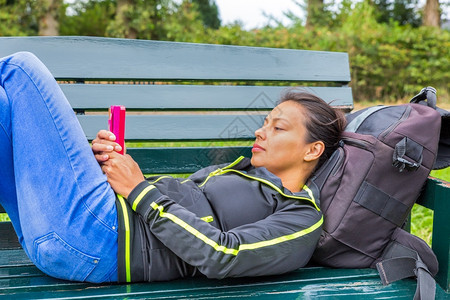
x=106 y=135
x=101 y=158
x=99 y=147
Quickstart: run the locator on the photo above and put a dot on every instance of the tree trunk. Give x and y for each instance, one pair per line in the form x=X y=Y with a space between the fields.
x=123 y=21
x=49 y=20
x=432 y=14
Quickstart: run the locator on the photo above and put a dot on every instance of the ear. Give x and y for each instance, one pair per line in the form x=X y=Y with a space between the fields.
x=315 y=150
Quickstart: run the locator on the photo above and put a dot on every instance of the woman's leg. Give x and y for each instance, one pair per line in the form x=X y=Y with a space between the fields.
x=59 y=201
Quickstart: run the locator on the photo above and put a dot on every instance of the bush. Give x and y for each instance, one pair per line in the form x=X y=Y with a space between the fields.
x=389 y=62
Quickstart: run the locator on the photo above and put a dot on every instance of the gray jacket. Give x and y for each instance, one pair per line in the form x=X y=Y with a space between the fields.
x=229 y=220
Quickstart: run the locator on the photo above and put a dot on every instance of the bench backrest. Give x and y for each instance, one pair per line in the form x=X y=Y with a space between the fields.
x=180 y=92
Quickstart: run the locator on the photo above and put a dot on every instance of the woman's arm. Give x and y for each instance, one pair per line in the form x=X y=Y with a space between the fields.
x=280 y=243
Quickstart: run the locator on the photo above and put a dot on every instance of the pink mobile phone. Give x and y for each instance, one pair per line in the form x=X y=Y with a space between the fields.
x=117 y=124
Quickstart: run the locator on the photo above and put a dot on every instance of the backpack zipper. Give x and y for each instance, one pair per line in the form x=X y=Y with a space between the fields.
x=357 y=143
x=339 y=163
x=393 y=126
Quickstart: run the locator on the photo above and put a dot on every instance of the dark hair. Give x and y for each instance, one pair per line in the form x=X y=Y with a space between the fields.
x=323 y=122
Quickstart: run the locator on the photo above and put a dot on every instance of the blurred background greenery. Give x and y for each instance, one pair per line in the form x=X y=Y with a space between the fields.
x=395 y=47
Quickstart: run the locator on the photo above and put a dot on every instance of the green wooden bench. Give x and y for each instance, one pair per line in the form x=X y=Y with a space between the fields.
x=215 y=95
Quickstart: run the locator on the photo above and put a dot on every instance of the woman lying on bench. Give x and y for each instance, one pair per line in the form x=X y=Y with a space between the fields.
x=94 y=217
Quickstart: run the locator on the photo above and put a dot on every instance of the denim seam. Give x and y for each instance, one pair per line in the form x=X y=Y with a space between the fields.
x=6 y=133
x=1 y=125
x=65 y=149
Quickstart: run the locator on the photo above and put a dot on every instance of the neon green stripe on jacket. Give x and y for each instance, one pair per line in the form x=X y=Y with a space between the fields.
x=242 y=247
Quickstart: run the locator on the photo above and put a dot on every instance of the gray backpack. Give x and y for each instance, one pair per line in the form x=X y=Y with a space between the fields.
x=369 y=185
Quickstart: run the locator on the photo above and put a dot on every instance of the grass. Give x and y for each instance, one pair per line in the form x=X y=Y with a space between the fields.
x=421 y=217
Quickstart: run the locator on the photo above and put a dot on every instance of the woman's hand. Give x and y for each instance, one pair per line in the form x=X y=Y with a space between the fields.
x=103 y=145
x=123 y=173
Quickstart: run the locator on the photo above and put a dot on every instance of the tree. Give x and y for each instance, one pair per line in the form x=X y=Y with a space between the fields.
x=432 y=14
x=17 y=17
x=123 y=18
x=142 y=19
x=209 y=13
x=315 y=10
x=319 y=13
x=401 y=11
x=26 y=17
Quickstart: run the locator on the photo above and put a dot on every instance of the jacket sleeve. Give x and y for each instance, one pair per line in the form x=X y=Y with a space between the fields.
x=282 y=242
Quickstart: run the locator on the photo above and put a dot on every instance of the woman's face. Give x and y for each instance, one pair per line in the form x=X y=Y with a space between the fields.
x=280 y=144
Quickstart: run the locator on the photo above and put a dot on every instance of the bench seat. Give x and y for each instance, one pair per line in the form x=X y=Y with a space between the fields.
x=20 y=279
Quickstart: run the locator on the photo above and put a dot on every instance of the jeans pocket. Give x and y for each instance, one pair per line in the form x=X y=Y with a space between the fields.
x=58 y=259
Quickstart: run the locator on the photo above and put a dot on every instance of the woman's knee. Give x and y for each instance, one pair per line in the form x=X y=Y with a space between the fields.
x=21 y=57
x=27 y=62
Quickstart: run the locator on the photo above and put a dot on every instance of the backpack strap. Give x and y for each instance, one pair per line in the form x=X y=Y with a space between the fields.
x=428 y=94
x=407 y=147
x=398 y=262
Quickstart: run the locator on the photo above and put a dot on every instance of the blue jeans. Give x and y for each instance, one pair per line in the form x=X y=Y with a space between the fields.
x=60 y=204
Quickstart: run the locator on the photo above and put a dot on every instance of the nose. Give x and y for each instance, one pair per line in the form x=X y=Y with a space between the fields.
x=260 y=133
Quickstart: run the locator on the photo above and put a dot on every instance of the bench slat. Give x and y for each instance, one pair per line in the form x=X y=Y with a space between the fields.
x=156 y=97
x=8 y=237
x=179 y=127
x=303 y=283
x=67 y=57
x=8 y=273
x=184 y=160
x=10 y=258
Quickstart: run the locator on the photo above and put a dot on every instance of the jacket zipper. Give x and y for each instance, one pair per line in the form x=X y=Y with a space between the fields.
x=273 y=186
x=228 y=169
x=219 y=170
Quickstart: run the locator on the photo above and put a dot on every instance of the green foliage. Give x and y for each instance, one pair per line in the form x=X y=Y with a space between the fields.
x=88 y=18
x=144 y=17
x=209 y=13
x=18 y=17
x=400 y=11
x=389 y=62
x=184 y=24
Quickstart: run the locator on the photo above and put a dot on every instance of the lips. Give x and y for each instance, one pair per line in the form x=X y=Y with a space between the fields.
x=257 y=148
